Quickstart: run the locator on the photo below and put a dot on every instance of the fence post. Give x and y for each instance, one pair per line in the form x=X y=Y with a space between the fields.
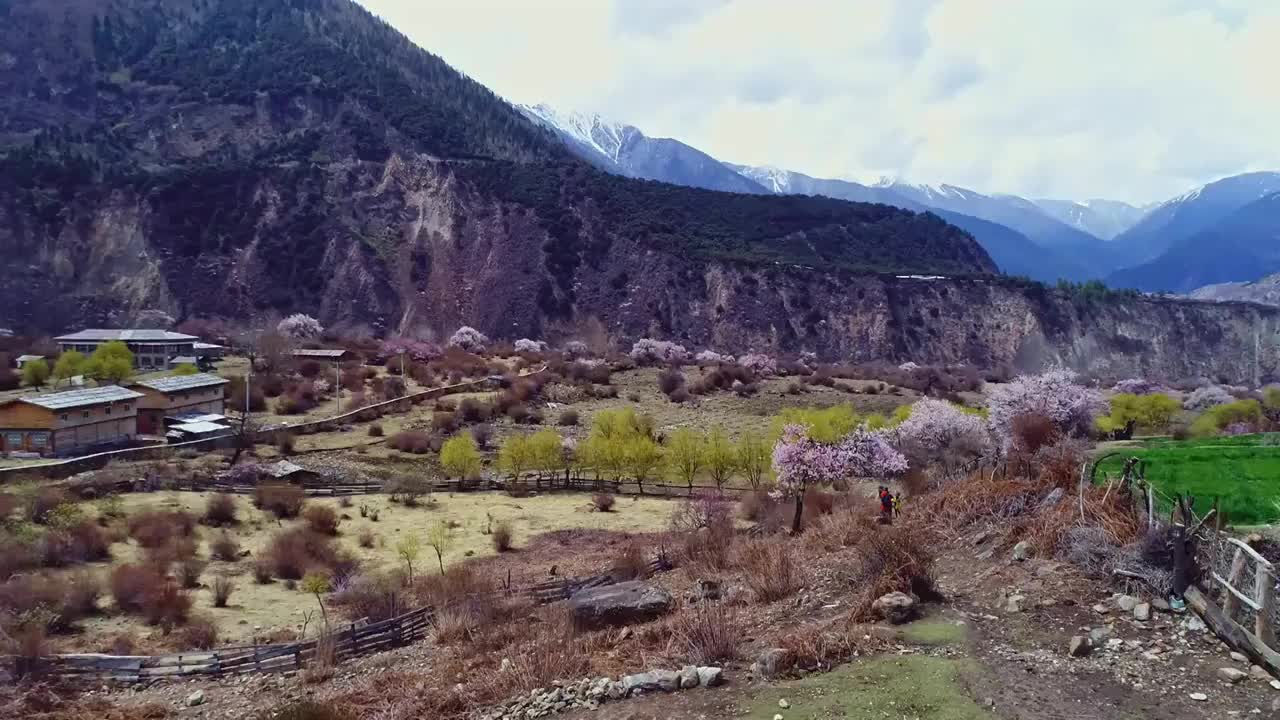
x=1231 y=603
x=355 y=643
x=1264 y=589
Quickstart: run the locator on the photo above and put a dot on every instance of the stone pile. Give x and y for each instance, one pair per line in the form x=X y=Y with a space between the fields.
x=590 y=693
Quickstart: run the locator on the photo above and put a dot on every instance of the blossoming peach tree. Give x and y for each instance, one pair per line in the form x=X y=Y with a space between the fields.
x=801 y=462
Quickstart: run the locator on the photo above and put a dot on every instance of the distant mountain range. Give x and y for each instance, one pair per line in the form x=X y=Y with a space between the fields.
x=624 y=150
x=1172 y=246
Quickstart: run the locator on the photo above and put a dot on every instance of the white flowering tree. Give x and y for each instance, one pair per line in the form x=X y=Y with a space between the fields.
x=942 y=432
x=801 y=462
x=469 y=339
x=648 y=351
x=759 y=363
x=711 y=357
x=300 y=327
x=1055 y=395
x=526 y=345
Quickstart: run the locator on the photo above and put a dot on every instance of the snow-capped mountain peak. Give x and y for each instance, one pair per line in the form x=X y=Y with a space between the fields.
x=592 y=129
x=774 y=179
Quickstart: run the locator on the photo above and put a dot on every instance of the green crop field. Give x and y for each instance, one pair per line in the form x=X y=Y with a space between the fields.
x=1242 y=471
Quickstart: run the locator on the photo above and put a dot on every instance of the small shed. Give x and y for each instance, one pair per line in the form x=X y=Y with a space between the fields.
x=292 y=473
x=184 y=432
x=24 y=359
x=325 y=354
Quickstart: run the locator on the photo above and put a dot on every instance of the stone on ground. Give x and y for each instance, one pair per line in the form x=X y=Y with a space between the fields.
x=1142 y=612
x=709 y=677
x=688 y=677
x=1079 y=646
x=896 y=607
x=772 y=663
x=1014 y=603
x=1200 y=697
x=1021 y=551
x=621 y=604
x=1126 y=602
x=195 y=698
x=1232 y=675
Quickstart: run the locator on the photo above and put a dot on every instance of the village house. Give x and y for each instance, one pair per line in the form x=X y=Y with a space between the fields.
x=24 y=359
x=69 y=422
x=151 y=349
x=166 y=397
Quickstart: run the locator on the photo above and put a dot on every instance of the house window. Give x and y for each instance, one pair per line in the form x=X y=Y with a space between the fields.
x=39 y=440
x=86 y=414
x=108 y=409
x=64 y=417
x=13 y=440
x=126 y=407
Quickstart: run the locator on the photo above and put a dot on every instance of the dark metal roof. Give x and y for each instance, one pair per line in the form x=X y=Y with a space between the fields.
x=105 y=335
x=178 y=383
x=81 y=398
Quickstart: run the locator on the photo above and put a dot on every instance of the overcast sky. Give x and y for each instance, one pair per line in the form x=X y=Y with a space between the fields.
x=1133 y=100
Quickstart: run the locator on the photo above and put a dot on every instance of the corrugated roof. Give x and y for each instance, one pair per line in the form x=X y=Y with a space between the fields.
x=106 y=335
x=24 y=358
x=184 y=360
x=321 y=352
x=200 y=427
x=284 y=468
x=187 y=418
x=178 y=383
x=207 y=346
x=81 y=398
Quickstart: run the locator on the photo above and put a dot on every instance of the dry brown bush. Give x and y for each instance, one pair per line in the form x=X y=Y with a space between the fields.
x=603 y=502
x=44 y=500
x=189 y=572
x=706 y=633
x=891 y=559
x=374 y=596
x=768 y=569
x=502 y=536
x=166 y=605
x=629 y=564
x=411 y=441
x=131 y=584
x=157 y=528
x=280 y=499
x=220 y=510
x=321 y=519
x=367 y=538
x=223 y=586
x=295 y=551
x=820 y=646
x=199 y=633
x=225 y=548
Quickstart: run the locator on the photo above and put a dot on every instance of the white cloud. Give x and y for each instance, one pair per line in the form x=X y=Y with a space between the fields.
x=1135 y=100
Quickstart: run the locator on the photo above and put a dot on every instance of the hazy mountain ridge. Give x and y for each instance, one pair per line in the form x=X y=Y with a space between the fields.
x=236 y=158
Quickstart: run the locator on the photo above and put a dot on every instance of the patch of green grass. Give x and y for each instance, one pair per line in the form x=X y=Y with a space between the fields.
x=1243 y=471
x=907 y=686
x=934 y=631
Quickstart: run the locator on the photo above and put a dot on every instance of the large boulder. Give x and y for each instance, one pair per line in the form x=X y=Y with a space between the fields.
x=896 y=607
x=620 y=604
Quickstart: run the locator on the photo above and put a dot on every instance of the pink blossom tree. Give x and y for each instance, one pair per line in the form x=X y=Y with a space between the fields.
x=527 y=345
x=1055 y=394
x=800 y=462
x=711 y=357
x=576 y=349
x=939 y=432
x=416 y=350
x=759 y=363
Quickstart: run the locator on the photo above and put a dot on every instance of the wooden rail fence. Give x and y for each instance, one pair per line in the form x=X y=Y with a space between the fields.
x=355 y=640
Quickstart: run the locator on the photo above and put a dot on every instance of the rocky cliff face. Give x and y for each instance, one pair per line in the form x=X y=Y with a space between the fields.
x=415 y=246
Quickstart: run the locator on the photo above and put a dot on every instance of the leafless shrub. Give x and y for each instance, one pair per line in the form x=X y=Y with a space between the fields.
x=707 y=633
x=768 y=568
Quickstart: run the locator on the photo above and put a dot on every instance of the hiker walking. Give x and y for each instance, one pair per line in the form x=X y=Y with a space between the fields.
x=886 y=506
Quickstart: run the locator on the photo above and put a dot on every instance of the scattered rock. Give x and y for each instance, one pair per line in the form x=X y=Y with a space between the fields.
x=1193 y=624
x=1238 y=657
x=1053 y=498
x=709 y=677
x=505 y=666
x=621 y=604
x=1142 y=612
x=1101 y=609
x=1126 y=603
x=772 y=662
x=195 y=698
x=1021 y=551
x=1099 y=635
x=1079 y=646
x=1160 y=604
x=1232 y=675
x=784 y=704
x=664 y=680
x=896 y=607
x=1014 y=603
x=688 y=677
x=1275 y=684
x=777 y=716
x=1199 y=697
x=1257 y=672
x=707 y=590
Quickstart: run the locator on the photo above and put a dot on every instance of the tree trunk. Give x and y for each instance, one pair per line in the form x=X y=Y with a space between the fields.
x=795 y=522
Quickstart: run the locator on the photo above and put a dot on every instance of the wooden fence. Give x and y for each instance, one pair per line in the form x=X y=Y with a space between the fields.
x=357 y=639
